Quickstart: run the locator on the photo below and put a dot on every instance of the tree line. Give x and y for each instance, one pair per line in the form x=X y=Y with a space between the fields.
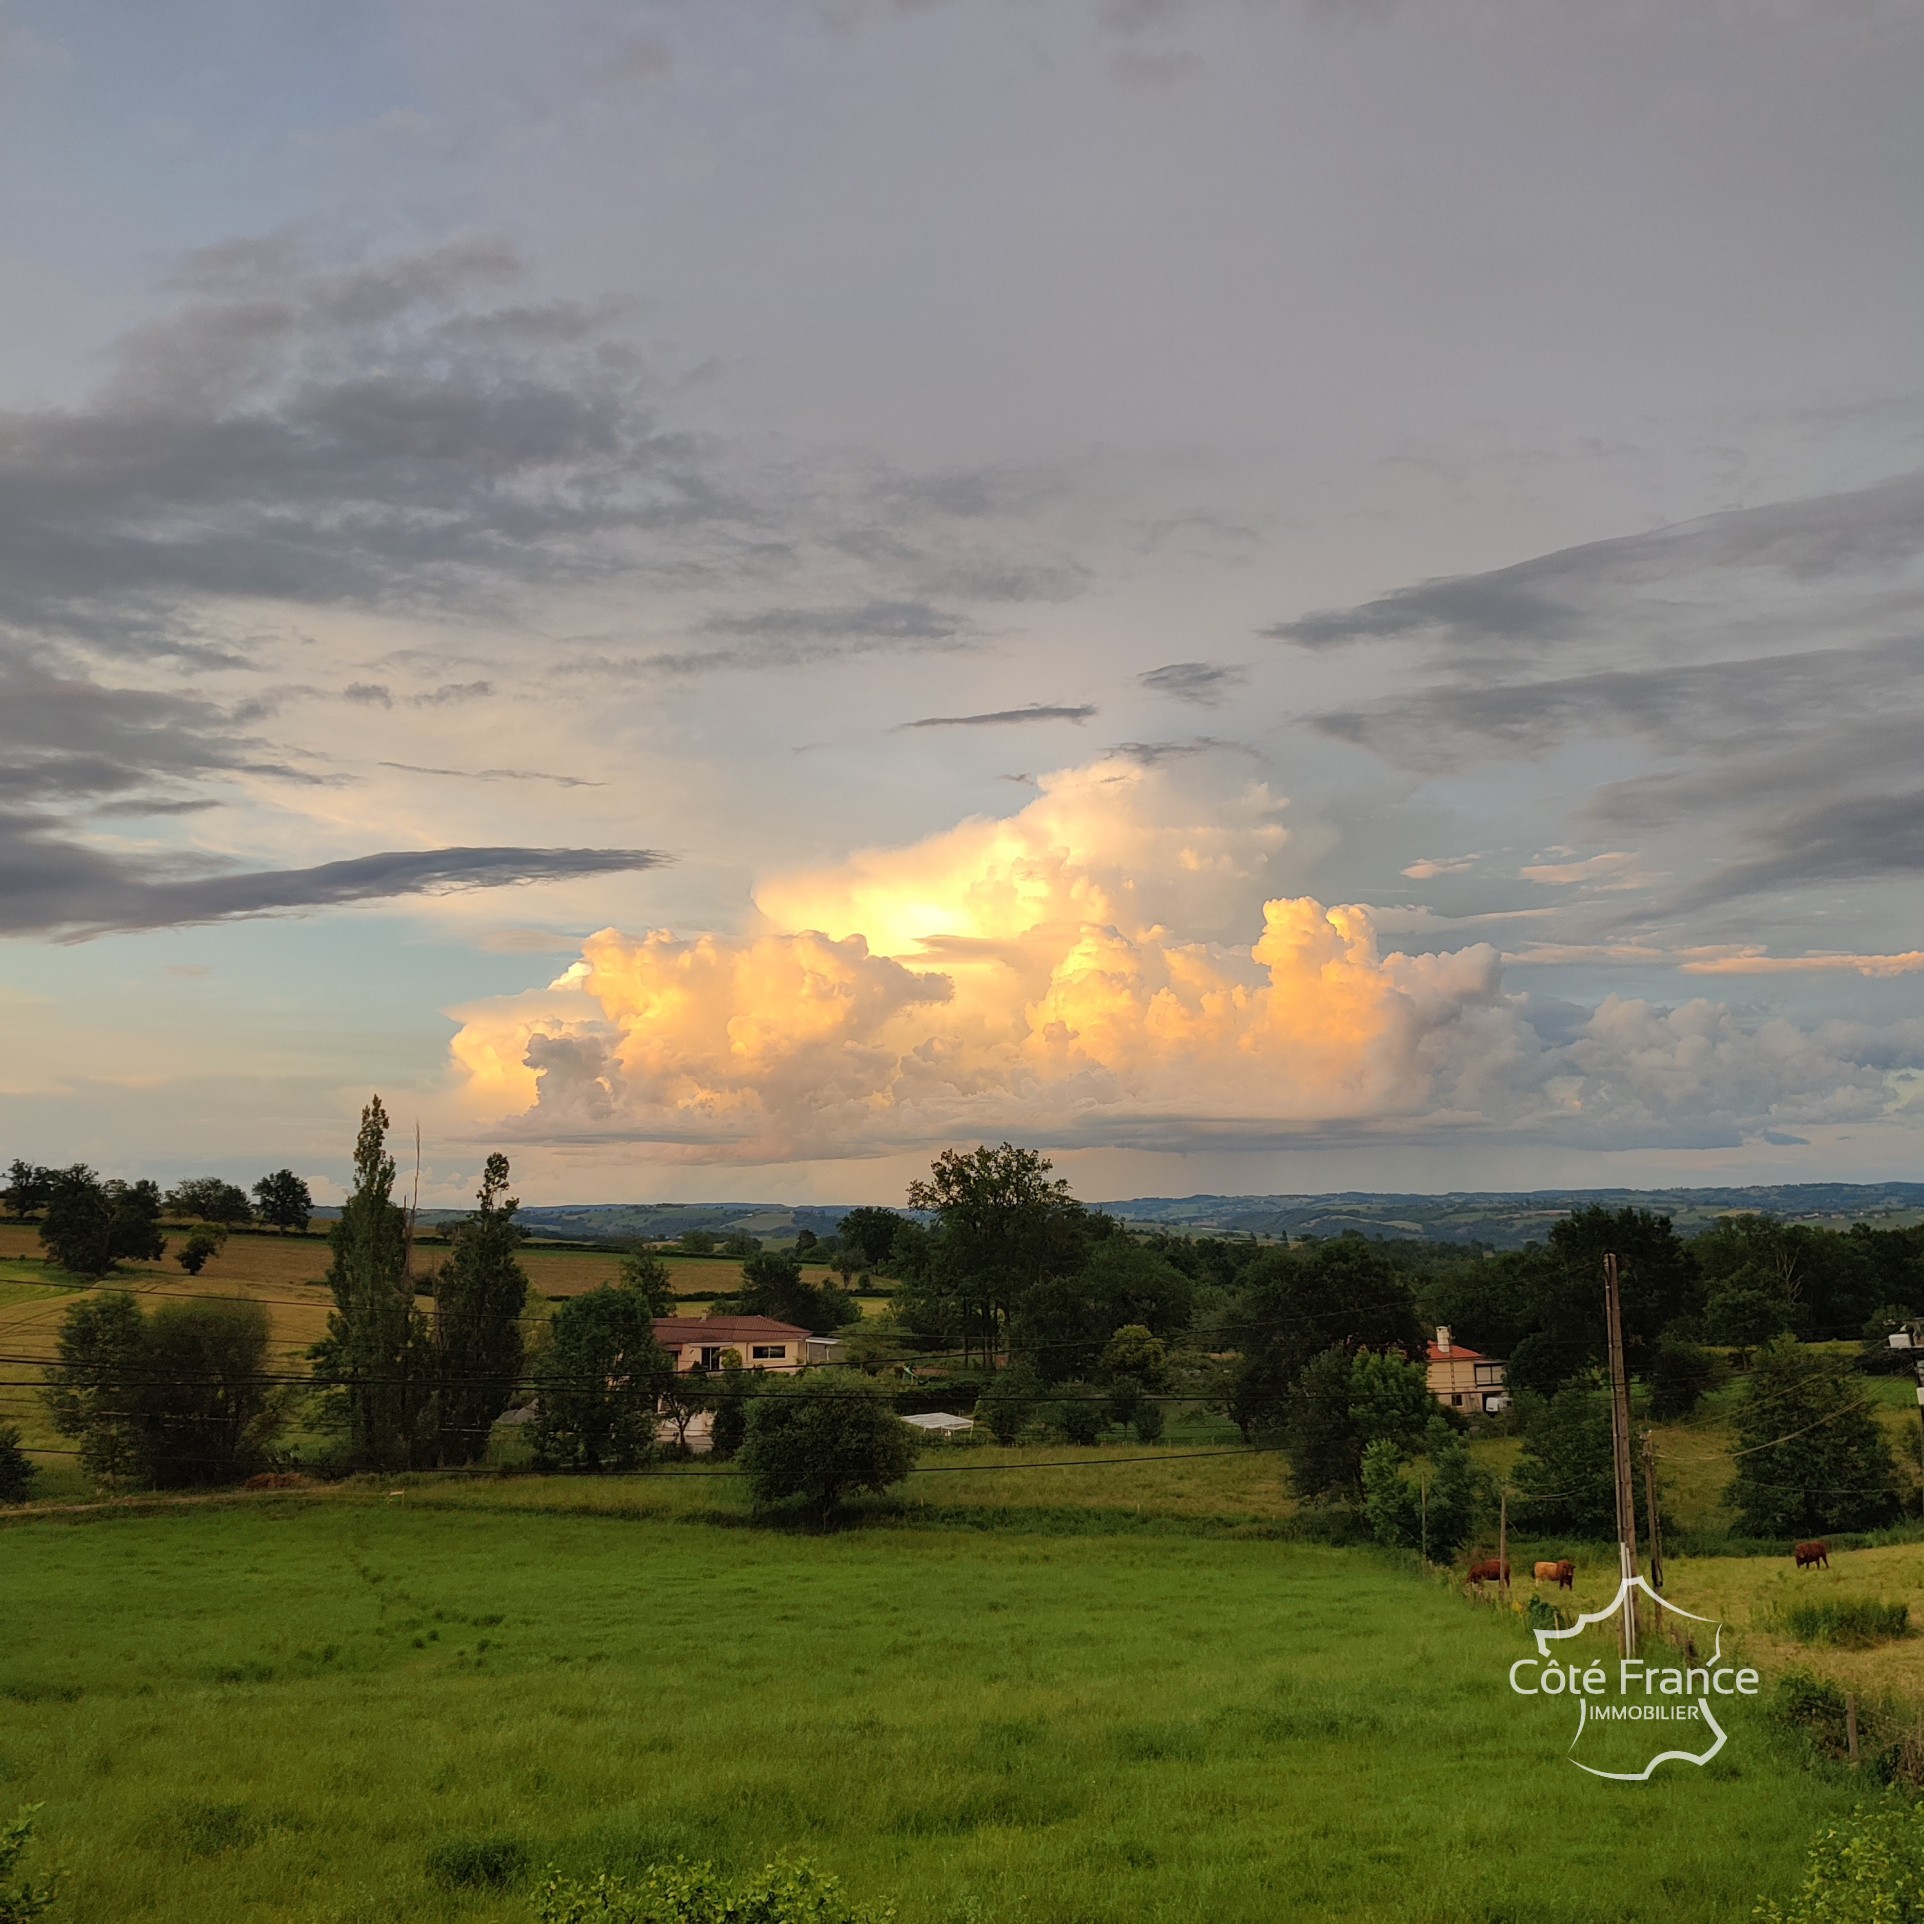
x=89 y=1224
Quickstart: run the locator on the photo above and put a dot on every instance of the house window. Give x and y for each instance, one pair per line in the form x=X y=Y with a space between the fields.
x=1458 y=1401
x=769 y=1352
x=711 y=1357
x=1489 y=1373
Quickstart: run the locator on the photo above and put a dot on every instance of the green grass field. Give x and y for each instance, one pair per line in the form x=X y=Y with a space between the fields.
x=277 y=1708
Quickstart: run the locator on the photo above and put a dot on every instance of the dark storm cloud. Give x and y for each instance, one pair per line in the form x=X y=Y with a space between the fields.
x=1555 y=597
x=1206 y=683
x=1000 y=717
x=1855 y=839
x=53 y=886
x=1722 y=706
x=361 y=435
x=65 y=740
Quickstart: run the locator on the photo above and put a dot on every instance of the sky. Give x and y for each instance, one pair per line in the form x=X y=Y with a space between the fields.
x=1262 y=595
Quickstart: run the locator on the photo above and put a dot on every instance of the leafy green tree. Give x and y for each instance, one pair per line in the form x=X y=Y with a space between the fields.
x=1004 y=1227
x=1148 y=1421
x=647 y=1275
x=1565 y=1477
x=1064 y=1321
x=738 y=1242
x=378 y=1348
x=1299 y=1302
x=729 y=1428
x=479 y=1296
x=28 y=1188
x=1343 y=1403
x=1008 y=1404
x=283 y=1201
x=806 y=1242
x=21 y=1900
x=1679 y=1375
x=95 y=1386
x=699 y=1242
x=1810 y=1454
x=1747 y=1306
x=816 y=1437
x=772 y=1285
x=598 y=1382
x=1136 y=1352
x=865 y=1237
x=1437 y=1511
x=204 y=1242
x=17 y=1470
x=209 y=1412
x=207 y=1199
x=92 y=1225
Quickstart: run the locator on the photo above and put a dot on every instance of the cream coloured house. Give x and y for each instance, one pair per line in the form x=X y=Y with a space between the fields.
x=1465 y=1379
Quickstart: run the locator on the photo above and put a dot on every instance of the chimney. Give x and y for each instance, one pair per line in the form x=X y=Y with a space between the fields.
x=1443 y=1337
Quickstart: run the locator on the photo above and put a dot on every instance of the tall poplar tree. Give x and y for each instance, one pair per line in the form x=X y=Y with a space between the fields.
x=479 y=1296
x=377 y=1348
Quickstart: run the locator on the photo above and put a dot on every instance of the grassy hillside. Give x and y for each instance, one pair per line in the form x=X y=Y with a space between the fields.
x=279 y=1710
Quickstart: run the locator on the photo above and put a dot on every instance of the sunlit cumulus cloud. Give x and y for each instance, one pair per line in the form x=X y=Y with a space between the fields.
x=1065 y=970
x=1070 y=973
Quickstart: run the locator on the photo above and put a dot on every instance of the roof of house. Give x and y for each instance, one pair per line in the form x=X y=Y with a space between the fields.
x=941 y=1420
x=672 y=1332
x=1458 y=1352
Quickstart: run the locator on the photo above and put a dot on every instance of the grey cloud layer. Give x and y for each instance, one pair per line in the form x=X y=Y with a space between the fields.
x=48 y=886
x=1762 y=671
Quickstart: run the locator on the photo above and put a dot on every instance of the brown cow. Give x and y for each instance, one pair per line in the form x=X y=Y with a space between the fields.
x=1563 y=1574
x=1490 y=1570
x=1810 y=1554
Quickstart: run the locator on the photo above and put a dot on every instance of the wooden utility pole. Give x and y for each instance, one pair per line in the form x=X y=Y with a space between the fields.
x=1620 y=1450
x=1650 y=1511
x=1503 y=1544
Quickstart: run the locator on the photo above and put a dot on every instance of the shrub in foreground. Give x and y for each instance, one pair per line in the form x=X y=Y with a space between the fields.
x=21 y=1900
x=785 y=1892
x=815 y=1438
x=1867 y=1870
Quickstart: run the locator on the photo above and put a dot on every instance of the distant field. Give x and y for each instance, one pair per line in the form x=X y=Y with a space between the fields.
x=276 y=1710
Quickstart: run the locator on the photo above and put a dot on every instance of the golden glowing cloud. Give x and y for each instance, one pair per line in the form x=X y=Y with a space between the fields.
x=1066 y=969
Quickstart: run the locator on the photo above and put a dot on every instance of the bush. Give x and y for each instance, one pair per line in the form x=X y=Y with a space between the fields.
x=1008 y=1403
x=1867 y=1870
x=785 y=1892
x=814 y=1438
x=1149 y=1423
x=1853 y=1623
x=21 y=1900
x=16 y=1467
x=1081 y=1414
x=476 y=1863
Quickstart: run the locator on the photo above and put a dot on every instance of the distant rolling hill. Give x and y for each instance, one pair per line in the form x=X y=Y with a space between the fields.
x=1498 y=1218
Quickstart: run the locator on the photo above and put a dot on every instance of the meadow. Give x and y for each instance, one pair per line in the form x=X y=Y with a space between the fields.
x=292 y=1707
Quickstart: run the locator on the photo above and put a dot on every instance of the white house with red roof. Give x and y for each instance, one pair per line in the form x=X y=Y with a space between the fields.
x=699 y=1342
x=1465 y=1379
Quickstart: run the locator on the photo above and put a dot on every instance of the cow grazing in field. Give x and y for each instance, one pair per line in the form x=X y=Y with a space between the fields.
x=1562 y=1574
x=1490 y=1570
x=1810 y=1554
